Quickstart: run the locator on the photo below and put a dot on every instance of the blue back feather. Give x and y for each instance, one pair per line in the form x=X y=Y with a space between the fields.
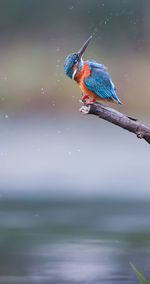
x=100 y=82
x=94 y=64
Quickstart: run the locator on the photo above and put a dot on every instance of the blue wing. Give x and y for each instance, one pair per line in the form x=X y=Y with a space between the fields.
x=100 y=82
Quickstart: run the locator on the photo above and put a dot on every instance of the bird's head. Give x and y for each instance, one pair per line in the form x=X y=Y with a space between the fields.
x=75 y=59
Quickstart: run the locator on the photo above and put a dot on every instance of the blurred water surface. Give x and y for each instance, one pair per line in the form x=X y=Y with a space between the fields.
x=69 y=155
x=48 y=241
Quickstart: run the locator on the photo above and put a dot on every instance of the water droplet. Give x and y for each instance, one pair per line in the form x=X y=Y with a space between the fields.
x=95 y=30
x=71 y=7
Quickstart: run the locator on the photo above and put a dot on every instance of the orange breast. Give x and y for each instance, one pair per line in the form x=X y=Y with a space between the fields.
x=79 y=78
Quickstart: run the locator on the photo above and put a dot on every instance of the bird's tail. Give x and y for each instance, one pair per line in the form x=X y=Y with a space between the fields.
x=117 y=101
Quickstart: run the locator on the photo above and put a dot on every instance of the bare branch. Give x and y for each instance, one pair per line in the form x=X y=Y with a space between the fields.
x=118 y=118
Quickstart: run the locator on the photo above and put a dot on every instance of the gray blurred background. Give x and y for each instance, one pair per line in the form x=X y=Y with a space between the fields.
x=74 y=189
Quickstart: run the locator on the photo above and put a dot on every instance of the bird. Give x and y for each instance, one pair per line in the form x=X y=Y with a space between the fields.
x=91 y=76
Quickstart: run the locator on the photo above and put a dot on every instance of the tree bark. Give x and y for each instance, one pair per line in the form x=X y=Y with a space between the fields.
x=117 y=118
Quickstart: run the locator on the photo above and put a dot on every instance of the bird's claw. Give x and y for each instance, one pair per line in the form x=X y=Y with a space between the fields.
x=89 y=102
x=84 y=97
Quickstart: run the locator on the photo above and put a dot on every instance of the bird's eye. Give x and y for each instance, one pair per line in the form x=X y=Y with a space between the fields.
x=75 y=61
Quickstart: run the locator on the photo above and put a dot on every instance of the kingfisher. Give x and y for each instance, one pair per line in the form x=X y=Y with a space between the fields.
x=92 y=77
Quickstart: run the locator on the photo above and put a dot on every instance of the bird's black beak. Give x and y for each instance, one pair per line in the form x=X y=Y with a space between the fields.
x=83 y=48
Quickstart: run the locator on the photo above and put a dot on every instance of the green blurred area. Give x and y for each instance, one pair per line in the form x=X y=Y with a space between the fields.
x=36 y=36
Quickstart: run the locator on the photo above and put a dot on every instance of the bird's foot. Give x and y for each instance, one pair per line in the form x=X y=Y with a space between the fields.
x=84 y=97
x=90 y=101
